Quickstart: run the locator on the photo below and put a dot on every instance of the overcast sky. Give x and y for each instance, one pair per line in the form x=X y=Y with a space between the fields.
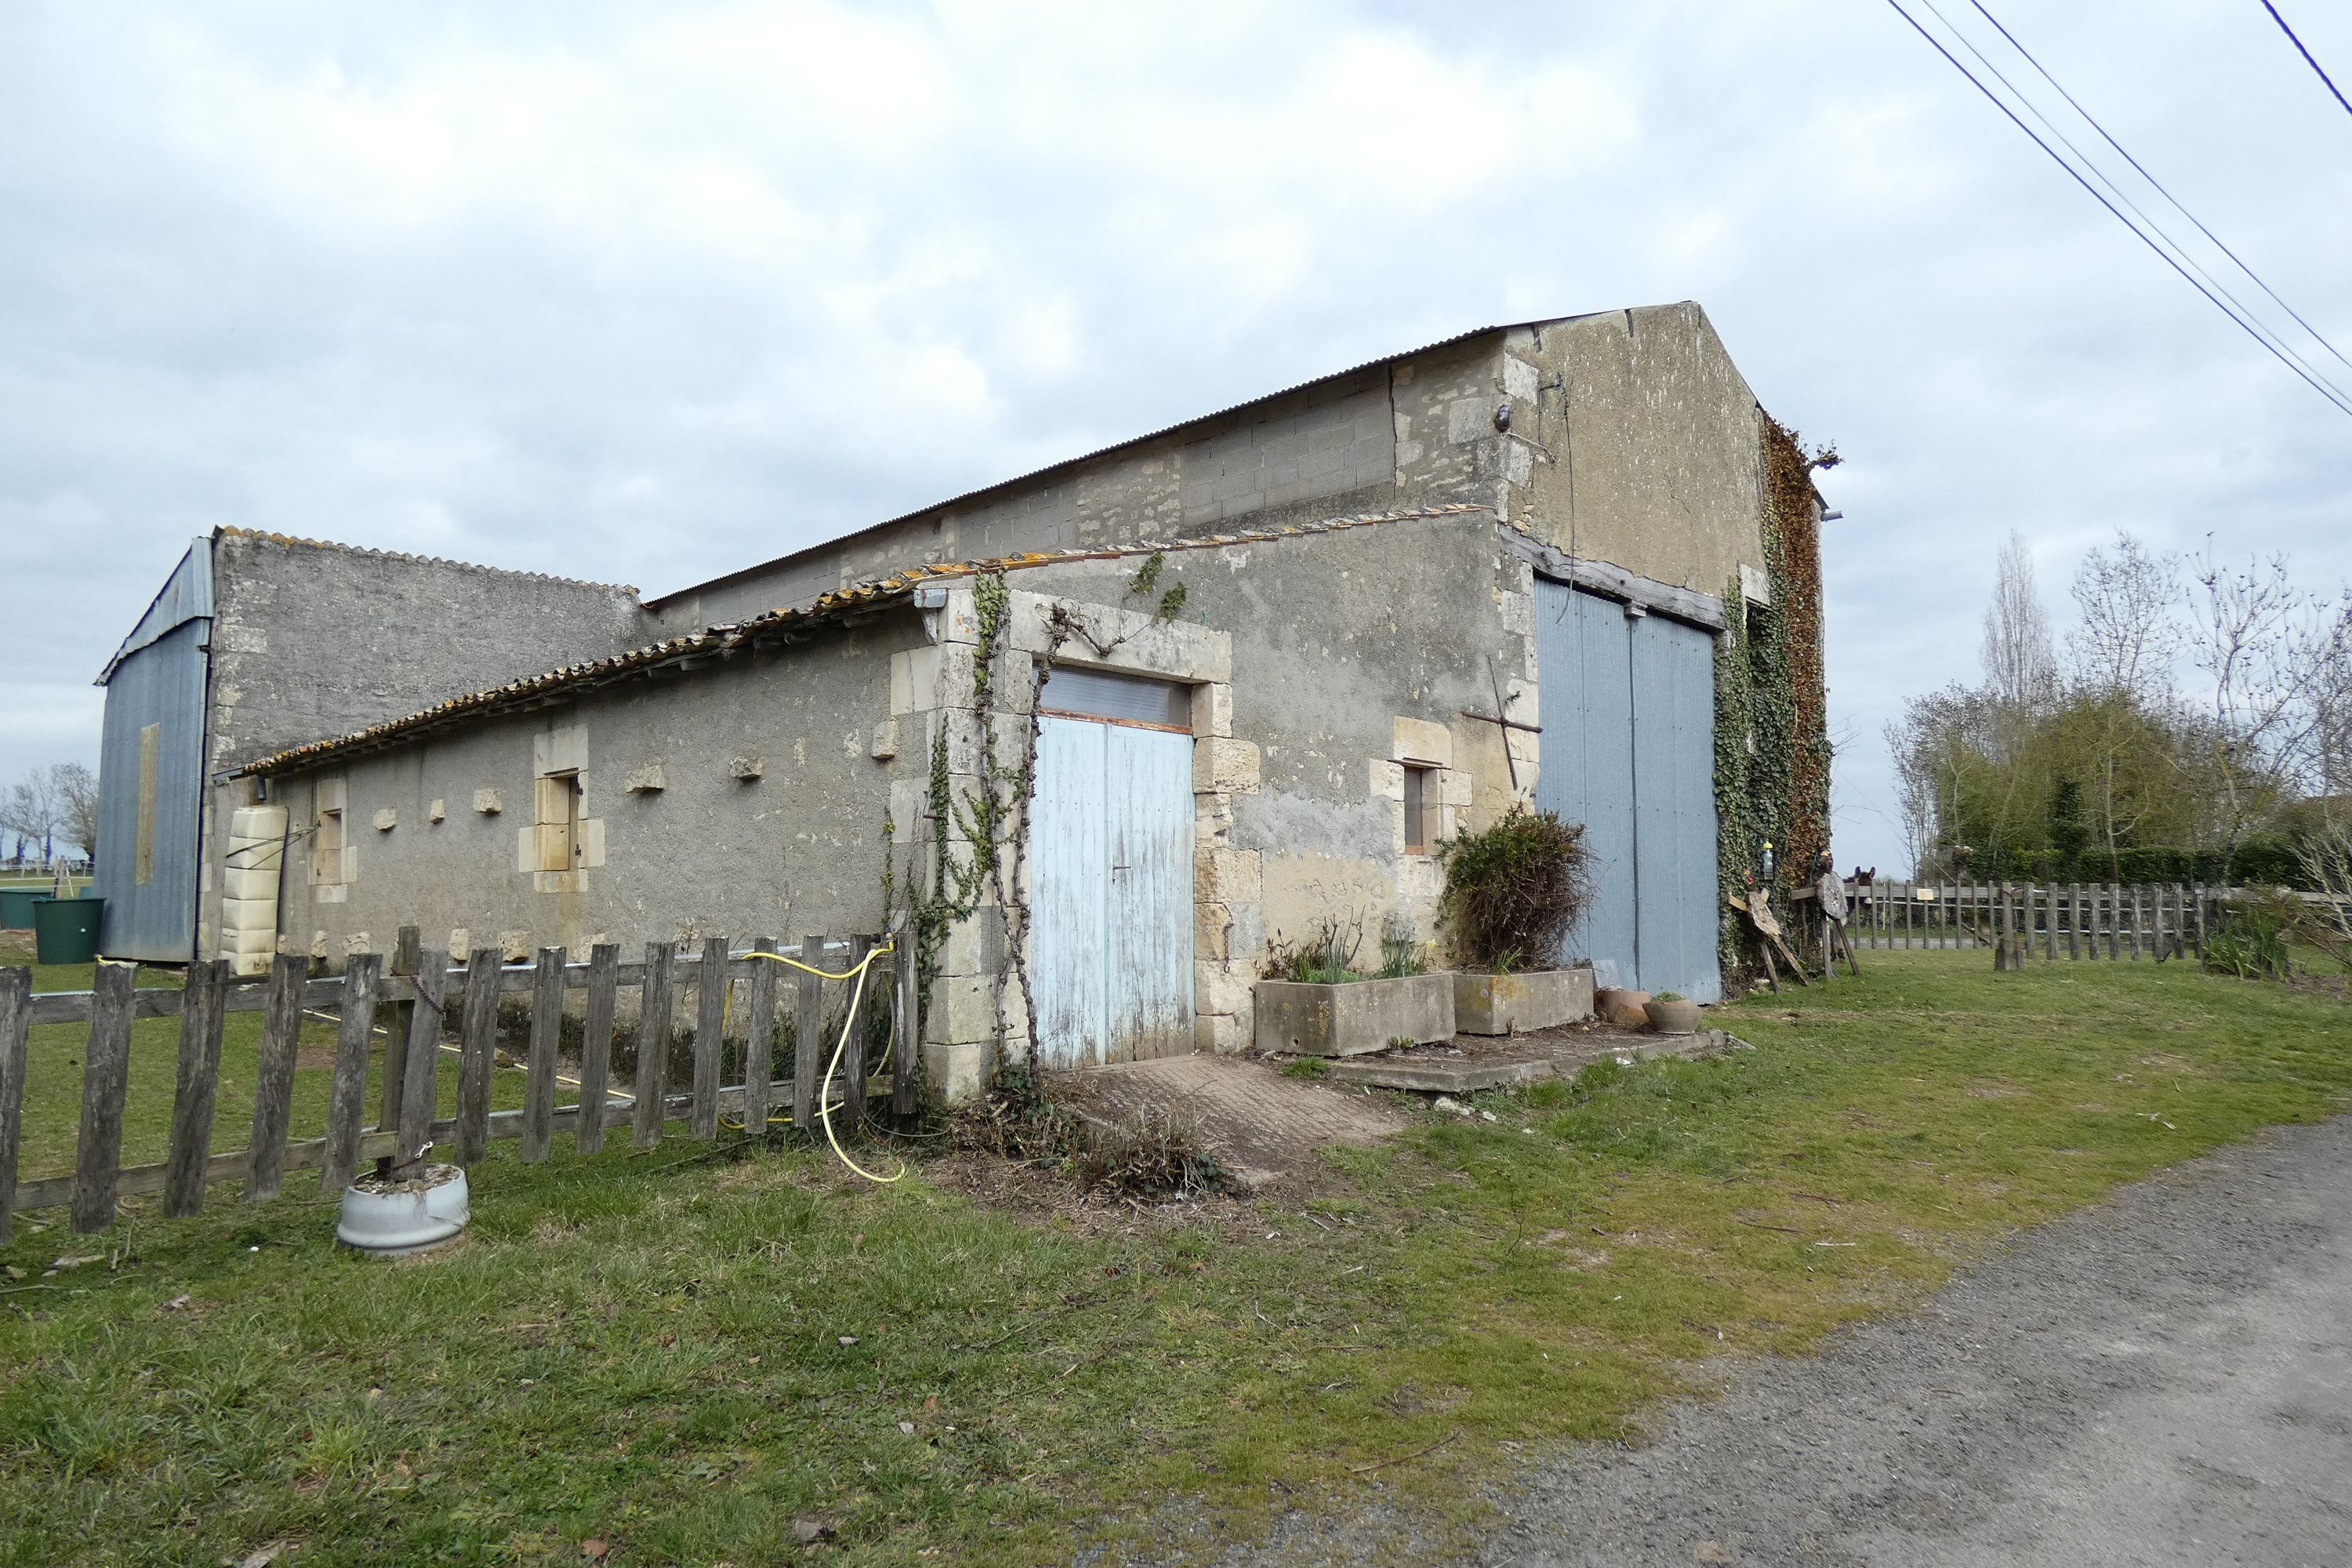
x=645 y=292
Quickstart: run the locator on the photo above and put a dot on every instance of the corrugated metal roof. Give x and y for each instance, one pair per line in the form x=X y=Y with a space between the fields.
x=714 y=641
x=1067 y=463
x=186 y=596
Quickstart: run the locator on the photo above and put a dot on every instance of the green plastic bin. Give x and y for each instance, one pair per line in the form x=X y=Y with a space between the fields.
x=17 y=907
x=65 y=930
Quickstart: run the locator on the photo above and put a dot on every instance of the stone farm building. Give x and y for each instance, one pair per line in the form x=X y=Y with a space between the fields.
x=1287 y=650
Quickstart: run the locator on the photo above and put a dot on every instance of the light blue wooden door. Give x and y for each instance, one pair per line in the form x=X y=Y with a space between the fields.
x=1110 y=861
x=1628 y=750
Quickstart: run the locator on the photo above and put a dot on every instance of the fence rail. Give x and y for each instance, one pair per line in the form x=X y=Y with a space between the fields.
x=402 y=1014
x=2077 y=920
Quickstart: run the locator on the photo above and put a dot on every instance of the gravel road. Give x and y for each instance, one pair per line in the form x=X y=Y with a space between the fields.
x=2164 y=1379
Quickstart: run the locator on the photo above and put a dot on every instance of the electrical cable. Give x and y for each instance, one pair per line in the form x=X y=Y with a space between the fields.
x=2177 y=248
x=2341 y=404
x=2092 y=121
x=2306 y=56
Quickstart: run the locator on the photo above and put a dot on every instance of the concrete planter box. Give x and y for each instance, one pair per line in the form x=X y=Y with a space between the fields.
x=1351 y=1019
x=1515 y=1003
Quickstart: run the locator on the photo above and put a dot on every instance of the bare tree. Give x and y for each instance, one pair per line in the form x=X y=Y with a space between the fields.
x=76 y=789
x=34 y=810
x=2129 y=631
x=2270 y=647
x=2021 y=661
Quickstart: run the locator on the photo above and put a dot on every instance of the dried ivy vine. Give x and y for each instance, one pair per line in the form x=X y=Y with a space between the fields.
x=1772 y=730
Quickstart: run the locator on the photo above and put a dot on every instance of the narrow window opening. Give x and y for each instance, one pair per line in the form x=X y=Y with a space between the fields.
x=1420 y=794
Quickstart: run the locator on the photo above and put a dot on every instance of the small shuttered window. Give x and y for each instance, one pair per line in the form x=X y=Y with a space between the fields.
x=555 y=821
x=327 y=849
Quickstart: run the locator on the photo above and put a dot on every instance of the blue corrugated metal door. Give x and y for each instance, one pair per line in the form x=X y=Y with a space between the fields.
x=1584 y=670
x=1110 y=860
x=1673 y=807
x=1628 y=750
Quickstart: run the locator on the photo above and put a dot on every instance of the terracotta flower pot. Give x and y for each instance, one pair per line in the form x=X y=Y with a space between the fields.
x=1620 y=1005
x=1676 y=1017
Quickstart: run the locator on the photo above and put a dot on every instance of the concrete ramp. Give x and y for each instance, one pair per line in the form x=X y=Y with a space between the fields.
x=1259 y=1124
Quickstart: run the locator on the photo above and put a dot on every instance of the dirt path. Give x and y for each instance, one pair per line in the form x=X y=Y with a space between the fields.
x=2164 y=1379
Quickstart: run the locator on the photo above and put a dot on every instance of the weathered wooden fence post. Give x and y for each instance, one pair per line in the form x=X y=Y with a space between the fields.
x=539 y=1067
x=273 y=1092
x=105 y=1076
x=478 y=1054
x=808 y=1035
x=597 y=1045
x=193 y=1095
x=709 y=1031
x=760 y=1039
x=853 y=1056
x=652 y=1045
x=419 y=1086
x=347 y=1096
x=407 y=957
x=15 y=1020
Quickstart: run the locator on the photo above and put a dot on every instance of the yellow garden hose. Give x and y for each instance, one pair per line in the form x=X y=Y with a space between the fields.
x=849 y=1025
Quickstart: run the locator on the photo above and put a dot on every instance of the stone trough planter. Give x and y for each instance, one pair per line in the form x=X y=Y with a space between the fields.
x=1353 y=1018
x=1517 y=1004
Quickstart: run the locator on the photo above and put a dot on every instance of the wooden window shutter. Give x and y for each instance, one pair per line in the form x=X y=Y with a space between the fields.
x=554 y=818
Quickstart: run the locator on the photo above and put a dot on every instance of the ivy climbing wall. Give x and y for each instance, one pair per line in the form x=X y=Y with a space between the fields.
x=1771 y=737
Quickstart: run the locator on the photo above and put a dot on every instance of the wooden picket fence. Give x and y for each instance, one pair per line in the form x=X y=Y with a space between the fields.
x=412 y=997
x=2072 y=920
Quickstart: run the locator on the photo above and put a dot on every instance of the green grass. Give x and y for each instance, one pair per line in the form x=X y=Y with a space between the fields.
x=649 y=1349
x=53 y=1077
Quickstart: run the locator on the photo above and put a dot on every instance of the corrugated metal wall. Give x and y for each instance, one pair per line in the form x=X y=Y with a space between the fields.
x=1110 y=860
x=151 y=788
x=1628 y=750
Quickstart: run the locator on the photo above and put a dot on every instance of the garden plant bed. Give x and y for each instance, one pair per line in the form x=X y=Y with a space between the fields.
x=684 y=1352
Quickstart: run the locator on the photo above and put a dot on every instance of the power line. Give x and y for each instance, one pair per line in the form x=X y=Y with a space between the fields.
x=2341 y=404
x=2306 y=55
x=2151 y=179
x=2176 y=248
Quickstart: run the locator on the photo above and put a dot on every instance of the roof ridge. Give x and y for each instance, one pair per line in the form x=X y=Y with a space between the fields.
x=824 y=606
x=267 y=536
x=1163 y=432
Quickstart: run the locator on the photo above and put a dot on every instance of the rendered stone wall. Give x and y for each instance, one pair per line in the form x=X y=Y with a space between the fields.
x=313 y=640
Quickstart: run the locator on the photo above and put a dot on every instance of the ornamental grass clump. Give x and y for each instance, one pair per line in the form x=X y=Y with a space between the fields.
x=1514 y=891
